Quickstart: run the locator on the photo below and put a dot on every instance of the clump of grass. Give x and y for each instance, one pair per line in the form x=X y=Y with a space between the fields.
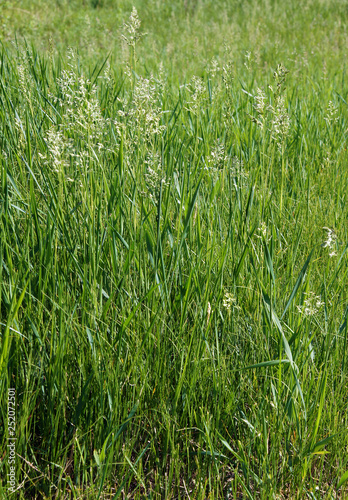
x=173 y=320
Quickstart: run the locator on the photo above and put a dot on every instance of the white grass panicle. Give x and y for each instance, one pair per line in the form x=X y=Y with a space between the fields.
x=199 y=95
x=229 y=302
x=59 y=149
x=217 y=158
x=25 y=79
x=260 y=108
x=82 y=113
x=263 y=230
x=130 y=37
x=238 y=172
x=280 y=122
x=312 y=305
x=21 y=139
x=332 y=114
x=213 y=67
x=141 y=113
x=131 y=30
x=248 y=60
x=154 y=176
x=273 y=115
x=331 y=241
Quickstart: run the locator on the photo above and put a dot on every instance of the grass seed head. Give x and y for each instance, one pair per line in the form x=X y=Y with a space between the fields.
x=312 y=304
x=332 y=115
x=131 y=30
x=229 y=301
x=331 y=241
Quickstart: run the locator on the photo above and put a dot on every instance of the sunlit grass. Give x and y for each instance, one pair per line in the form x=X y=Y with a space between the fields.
x=173 y=252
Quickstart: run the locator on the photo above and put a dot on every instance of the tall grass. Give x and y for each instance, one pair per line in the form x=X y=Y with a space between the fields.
x=173 y=258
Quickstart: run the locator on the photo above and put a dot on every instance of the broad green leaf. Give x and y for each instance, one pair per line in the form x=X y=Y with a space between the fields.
x=343 y=480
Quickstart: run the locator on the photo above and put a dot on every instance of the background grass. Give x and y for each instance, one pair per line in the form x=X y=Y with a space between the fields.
x=173 y=248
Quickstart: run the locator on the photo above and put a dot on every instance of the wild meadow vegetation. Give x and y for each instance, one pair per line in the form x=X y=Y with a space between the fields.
x=173 y=247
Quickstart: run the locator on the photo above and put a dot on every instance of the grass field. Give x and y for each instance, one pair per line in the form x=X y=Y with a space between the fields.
x=173 y=248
